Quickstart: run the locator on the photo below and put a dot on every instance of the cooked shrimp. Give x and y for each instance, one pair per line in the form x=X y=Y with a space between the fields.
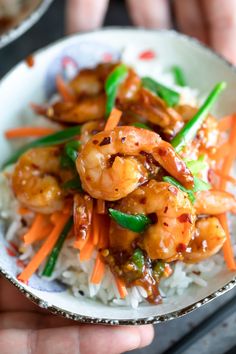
x=109 y=165
x=89 y=129
x=208 y=240
x=129 y=89
x=35 y=182
x=173 y=216
x=152 y=108
x=90 y=82
x=214 y=202
x=85 y=109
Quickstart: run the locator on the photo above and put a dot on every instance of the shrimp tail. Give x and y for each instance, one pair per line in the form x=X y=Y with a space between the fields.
x=173 y=164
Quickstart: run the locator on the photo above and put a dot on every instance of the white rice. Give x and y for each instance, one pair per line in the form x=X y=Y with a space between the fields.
x=77 y=274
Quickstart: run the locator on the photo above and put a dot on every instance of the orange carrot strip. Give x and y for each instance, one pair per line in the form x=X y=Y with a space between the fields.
x=101 y=206
x=98 y=271
x=227 y=178
x=43 y=251
x=64 y=90
x=96 y=228
x=121 y=287
x=39 y=229
x=227 y=248
x=225 y=123
x=221 y=152
x=23 y=211
x=87 y=250
x=26 y=132
x=113 y=119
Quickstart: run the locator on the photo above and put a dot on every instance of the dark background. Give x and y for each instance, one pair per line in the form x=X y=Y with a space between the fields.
x=47 y=30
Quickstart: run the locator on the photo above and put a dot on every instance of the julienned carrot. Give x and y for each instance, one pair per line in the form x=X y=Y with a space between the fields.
x=98 y=271
x=121 y=287
x=226 y=166
x=227 y=248
x=113 y=119
x=225 y=123
x=96 y=227
x=227 y=178
x=38 y=230
x=64 y=90
x=221 y=152
x=44 y=250
x=28 y=132
x=101 y=206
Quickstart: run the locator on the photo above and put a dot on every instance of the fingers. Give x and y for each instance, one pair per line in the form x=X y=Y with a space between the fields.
x=84 y=15
x=190 y=19
x=12 y=300
x=150 y=13
x=74 y=339
x=221 y=24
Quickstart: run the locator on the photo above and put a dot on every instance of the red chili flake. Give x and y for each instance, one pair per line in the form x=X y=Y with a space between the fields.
x=185 y=218
x=173 y=190
x=162 y=152
x=13 y=245
x=30 y=61
x=181 y=248
x=20 y=263
x=107 y=57
x=10 y=252
x=147 y=55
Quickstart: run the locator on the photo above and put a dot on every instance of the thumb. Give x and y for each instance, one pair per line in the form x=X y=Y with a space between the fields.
x=84 y=15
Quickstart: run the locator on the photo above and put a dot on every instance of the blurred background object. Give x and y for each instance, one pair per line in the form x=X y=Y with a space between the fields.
x=17 y=16
x=217 y=340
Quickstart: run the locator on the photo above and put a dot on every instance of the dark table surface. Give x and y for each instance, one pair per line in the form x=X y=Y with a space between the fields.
x=47 y=30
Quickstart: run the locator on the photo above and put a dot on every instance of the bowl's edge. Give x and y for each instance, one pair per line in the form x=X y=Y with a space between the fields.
x=113 y=321
x=146 y=320
x=25 y=25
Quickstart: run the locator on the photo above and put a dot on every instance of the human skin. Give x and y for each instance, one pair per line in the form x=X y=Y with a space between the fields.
x=26 y=329
x=211 y=21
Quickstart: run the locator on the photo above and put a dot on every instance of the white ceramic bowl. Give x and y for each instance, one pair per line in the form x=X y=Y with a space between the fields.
x=24 y=20
x=22 y=85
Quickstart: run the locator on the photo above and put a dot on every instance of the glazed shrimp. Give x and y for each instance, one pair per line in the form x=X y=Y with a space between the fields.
x=208 y=240
x=35 y=182
x=214 y=202
x=173 y=216
x=152 y=108
x=89 y=129
x=109 y=167
x=85 y=109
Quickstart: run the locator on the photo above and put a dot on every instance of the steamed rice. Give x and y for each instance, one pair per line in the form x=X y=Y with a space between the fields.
x=76 y=274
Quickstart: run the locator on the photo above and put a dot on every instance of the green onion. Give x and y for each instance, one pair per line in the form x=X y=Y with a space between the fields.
x=141 y=125
x=158 y=268
x=71 y=149
x=74 y=183
x=52 y=259
x=199 y=185
x=187 y=134
x=136 y=223
x=113 y=81
x=170 y=96
x=175 y=183
x=53 y=139
x=179 y=76
x=138 y=259
x=196 y=166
